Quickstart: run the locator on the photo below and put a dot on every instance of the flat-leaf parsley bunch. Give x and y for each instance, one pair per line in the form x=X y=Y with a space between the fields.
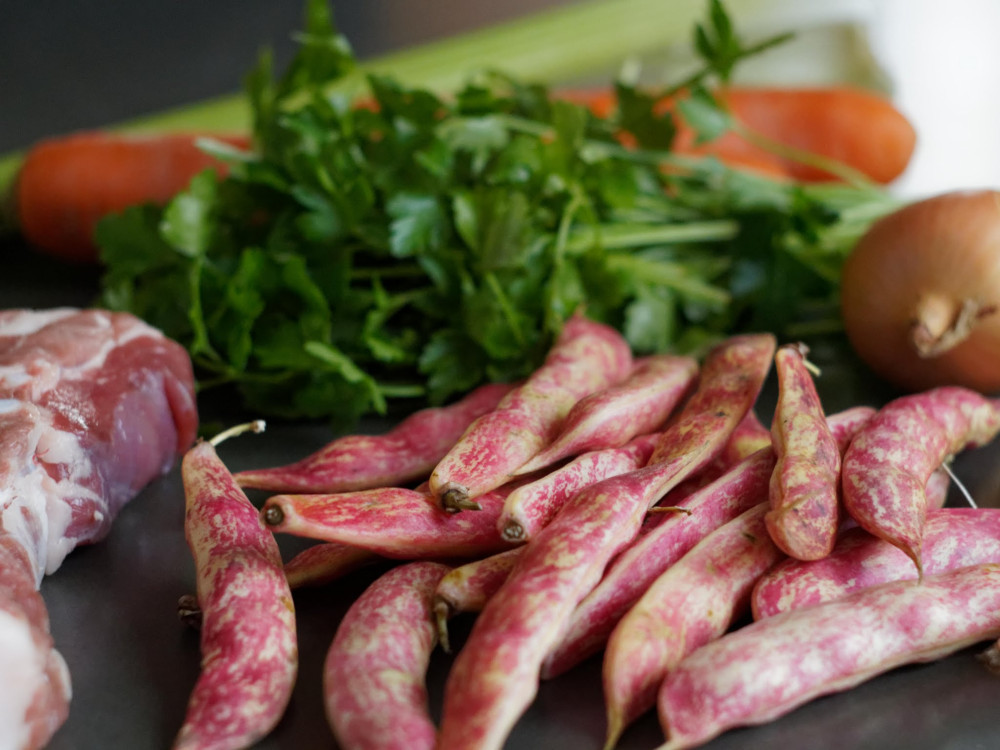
x=408 y=245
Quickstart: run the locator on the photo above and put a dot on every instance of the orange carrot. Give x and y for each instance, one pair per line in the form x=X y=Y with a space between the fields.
x=67 y=184
x=858 y=128
x=602 y=103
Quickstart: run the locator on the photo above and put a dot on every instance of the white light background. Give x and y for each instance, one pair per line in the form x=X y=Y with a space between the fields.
x=943 y=60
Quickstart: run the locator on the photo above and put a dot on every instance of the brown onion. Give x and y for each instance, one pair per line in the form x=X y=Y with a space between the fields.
x=920 y=293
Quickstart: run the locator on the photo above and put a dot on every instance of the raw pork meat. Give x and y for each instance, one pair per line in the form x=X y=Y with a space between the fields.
x=93 y=405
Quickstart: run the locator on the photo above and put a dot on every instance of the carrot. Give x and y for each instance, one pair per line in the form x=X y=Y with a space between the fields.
x=532 y=506
x=496 y=675
x=67 y=184
x=374 y=673
x=852 y=126
x=693 y=602
x=855 y=127
x=248 y=635
x=611 y=417
x=603 y=104
x=771 y=666
x=587 y=357
x=468 y=587
x=805 y=505
x=394 y=522
x=889 y=462
x=407 y=452
x=326 y=562
x=953 y=538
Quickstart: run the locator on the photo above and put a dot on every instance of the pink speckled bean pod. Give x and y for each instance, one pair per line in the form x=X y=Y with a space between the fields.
x=936 y=490
x=665 y=540
x=406 y=453
x=804 y=492
x=953 y=538
x=248 y=638
x=495 y=676
x=611 y=417
x=730 y=381
x=635 y=569
x=748 y=438
x=766 y=669
x=587 y=357
x=468 y=587
x=393 y=522
x=326 y=562
x=888 y=464
x=693 y=602
x=844 y=425
x=531 y=507
x=375 y=669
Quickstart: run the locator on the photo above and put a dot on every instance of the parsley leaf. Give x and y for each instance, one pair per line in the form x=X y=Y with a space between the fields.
x=406 y=247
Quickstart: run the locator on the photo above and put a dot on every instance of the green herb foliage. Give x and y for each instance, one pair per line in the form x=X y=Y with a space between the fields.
x=408 y=248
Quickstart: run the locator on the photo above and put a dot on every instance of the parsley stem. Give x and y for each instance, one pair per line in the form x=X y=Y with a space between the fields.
x=672 y=275
x=848 y=174
x=401 y=271
x=755 y=49
x=412 y=390
x=225 y=375
x=509 y=313
x=558 y=258
x=618 y=237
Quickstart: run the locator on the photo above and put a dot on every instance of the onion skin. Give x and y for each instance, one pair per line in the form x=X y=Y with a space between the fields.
x=920 y=293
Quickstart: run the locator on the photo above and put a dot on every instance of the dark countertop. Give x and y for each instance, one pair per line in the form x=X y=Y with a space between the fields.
x=113 y=605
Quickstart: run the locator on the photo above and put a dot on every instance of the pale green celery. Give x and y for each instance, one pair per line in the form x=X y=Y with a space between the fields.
x=401 y=390
x=555 y=45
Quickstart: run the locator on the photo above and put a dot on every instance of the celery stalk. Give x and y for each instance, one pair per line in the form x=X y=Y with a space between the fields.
x=549 y=46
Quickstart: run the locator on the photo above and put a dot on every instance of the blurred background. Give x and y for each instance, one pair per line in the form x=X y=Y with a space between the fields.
x=70 y=64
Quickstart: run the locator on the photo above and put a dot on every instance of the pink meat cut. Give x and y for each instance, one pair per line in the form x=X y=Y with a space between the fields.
x=93 y=406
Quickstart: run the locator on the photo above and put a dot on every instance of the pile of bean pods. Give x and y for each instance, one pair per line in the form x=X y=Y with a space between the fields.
x=632 y=506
